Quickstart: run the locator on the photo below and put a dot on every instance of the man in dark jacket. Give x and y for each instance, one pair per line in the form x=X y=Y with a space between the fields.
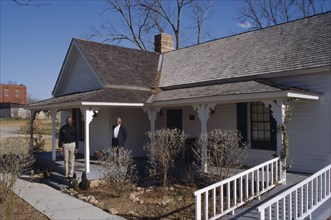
x=119 y=134
x=68 y=145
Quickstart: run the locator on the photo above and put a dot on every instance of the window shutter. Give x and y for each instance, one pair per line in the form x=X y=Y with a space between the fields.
x=242 y=120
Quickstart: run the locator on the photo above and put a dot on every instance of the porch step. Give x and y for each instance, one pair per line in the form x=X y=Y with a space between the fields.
x=55 y=184
x=57 y=181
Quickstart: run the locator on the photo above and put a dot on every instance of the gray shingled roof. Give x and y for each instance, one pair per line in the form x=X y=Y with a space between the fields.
x=100 y=95
x=119 y=65
x=295 y=45
x=236 y=88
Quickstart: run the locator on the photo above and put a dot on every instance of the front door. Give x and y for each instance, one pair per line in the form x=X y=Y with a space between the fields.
x=174 y=119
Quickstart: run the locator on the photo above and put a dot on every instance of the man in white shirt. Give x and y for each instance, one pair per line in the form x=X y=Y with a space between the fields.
x=119 y=133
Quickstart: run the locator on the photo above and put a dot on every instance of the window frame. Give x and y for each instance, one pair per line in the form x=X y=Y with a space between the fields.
x=263 y=127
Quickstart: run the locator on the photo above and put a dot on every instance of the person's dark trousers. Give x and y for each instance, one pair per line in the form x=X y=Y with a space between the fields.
x=115 y=142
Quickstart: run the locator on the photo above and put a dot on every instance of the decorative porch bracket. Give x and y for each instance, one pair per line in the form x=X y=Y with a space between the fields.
x=152 y=115
x=203 y=111
x=53 y=114
x=88 y=117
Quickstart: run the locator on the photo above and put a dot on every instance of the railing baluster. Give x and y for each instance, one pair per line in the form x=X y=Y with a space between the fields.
x=284 y=209
x=214 y=201
x=307 y=197
x=277 y=210
x=252 y=184
x=276 y=171
x=241 y=190
x=272 y=174
x=206 y=205
x=228 y=196
x=198 y=207
x=295 y=205
x=324 y=192
x=269 y=212
x=267 y=172
x=262 y=179
x=301 y=201
x=235 y=192
x=221 y=198
x=246 y=187
x=289 y=206
x=258 y=182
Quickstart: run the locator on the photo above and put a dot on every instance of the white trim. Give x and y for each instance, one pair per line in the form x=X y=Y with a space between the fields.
x=116 y=104
x=302 y=96
x=236 y=98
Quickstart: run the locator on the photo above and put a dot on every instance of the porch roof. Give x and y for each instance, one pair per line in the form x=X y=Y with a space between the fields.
x=100 y=97
x=232 y=92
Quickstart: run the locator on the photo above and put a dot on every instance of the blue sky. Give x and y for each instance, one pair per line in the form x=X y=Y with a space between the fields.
x=34 y=40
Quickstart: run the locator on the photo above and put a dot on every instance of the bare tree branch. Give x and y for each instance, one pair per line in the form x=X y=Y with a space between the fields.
x=265 y=13
x=28 y=3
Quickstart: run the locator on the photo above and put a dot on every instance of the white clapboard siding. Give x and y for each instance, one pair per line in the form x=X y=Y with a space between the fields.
x=100 y=131
x=137 y=124
x=224 y=117
x=310 y=127
x=81 y=78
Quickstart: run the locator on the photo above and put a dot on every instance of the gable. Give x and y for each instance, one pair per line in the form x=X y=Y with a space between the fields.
x=76 y=74
x=81 y=78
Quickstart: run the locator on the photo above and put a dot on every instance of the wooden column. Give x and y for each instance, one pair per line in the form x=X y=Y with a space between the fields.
x=53 y=114
x=203 y=111
x=152 y=115
x=88 y=117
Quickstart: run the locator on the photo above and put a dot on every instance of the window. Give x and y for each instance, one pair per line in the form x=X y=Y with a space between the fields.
x=17 y=93
x=263 y=127
x=6 y=92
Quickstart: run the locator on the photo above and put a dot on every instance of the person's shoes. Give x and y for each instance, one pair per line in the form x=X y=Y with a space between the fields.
x=70 y=179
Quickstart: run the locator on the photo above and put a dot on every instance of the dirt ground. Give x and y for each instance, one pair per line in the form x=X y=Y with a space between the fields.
x=173 y=202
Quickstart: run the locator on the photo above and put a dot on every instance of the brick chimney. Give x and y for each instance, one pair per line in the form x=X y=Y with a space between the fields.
x=163 y=43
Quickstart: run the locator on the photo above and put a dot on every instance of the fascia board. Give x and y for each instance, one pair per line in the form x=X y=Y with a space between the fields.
x=236 y=98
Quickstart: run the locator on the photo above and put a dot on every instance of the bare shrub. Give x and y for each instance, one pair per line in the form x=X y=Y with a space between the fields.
x=162 y=150
x=15 y=158
x=225 y=154
x=38 y=142
x=119 y=168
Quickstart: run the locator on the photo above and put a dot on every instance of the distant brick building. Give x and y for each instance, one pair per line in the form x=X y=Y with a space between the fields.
x=13 y=94
x=12 y=100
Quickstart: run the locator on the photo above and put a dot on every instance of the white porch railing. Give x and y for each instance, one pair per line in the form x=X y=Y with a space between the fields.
x=301 y=200
x=231 y=193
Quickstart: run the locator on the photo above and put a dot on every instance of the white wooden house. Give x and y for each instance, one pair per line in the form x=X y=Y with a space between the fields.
x=237 y=82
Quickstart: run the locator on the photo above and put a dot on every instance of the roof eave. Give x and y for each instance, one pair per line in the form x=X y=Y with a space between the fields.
x=235 y=98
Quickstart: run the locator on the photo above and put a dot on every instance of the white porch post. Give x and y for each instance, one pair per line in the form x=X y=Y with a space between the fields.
x=53 y=114
x=32 y=118
x=278 y=112
x=203 y=111
x=88 y=117
x=152 y=115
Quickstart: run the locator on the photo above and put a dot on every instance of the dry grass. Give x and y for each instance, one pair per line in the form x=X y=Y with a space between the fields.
x=17 y=209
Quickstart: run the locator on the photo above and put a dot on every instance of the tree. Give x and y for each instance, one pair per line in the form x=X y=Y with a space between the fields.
x=139 y=20
x=200 y=15
x=257 y=14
